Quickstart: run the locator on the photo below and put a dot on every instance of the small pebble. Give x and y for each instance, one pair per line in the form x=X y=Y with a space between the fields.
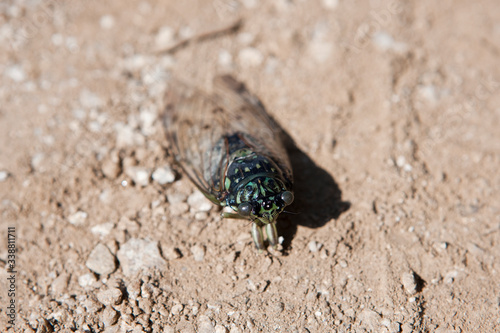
x=78 y=218
x=205 y=325
x=220 y=329
x=37 y=160
x=86 y=280
x=147 y=118
x=101 y=260
x=60 y=284
x=139 y=175
x=314 y=246
x=164 y=175
x=225 y=58
x=176 y=309
x=199 y=203
x=370 y=318
x=109 y=316
x=409 y=282
x=198 y=252
x=3 y=175
x=15 y=73
x=385 y=42
x=134 y=290
x=450 y=277
x=137 y=254
x=330 y=4
x=102 y=229
x=250 y=57
x=170 y=252
x=107 y=22
x=111 y=296
x=165 y=37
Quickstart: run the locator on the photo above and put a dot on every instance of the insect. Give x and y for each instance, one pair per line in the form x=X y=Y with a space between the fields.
x=233 y=151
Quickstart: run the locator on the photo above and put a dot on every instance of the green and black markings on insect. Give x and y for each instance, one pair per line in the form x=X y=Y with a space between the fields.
x=233 y=152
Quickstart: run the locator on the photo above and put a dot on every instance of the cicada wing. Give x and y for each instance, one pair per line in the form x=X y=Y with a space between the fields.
x=194 y=131
x=197 y=126
x=246 y=114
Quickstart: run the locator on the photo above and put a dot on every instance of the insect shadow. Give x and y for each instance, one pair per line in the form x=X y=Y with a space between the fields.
x=318 y=198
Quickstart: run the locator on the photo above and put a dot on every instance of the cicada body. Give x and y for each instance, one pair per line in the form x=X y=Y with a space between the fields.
x=232 y=150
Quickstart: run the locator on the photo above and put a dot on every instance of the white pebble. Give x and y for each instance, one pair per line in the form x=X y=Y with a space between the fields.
x=15 y=73
x=57 y=39
x=321 y=51
x=139 y=175
x=3 y=175
x=384 y=41
x=314 y=246
x=37 y=160
x=102 y=229
x=87 y=280
x=225 y=58
x=250 y=57
x=165 y=37
x=147 y=119
x=400 y=161
x=107 y=22
x=78 y=218
x=198 y=252
x=199 y=203
x=330 y=4
x=164 y=175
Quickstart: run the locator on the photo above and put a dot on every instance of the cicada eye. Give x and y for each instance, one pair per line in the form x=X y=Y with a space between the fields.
x=287 y=197
x=244 y=209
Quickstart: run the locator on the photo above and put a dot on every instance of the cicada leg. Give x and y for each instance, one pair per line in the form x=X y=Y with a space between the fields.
x=272 y=234
x=258 y=236
x=228 y=215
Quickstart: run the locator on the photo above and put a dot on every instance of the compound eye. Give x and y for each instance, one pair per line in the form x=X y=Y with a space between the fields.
x=287 y=197
x=244 y=209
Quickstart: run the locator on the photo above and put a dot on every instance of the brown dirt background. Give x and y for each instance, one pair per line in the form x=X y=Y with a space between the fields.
x=396 y=103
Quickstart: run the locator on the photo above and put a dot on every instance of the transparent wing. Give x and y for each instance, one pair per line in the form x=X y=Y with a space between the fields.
x=197 y=126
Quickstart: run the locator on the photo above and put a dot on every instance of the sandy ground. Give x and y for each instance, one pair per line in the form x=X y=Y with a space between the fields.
x=393 y=105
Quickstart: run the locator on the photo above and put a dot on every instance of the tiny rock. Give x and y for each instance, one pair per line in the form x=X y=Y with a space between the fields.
x=139 y=175
x=409 y=282
x=198 y=252
x=164 y=175
x=250 y=57
x=112 y=296
x=137 y=254
x=109 y=316
x=101 y=260
x=3 y=175
x=165 y=37
x=78 y=218
x=199 y=203
x=60 y=284
x=86 y=280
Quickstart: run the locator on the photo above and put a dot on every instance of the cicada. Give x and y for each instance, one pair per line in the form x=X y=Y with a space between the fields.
x=232 y=150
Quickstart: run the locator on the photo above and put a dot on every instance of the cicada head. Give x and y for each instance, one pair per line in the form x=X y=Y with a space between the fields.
x=262 y=199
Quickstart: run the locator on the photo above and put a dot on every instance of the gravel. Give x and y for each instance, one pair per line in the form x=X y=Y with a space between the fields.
x=164 y=175
x=137 y=254
x=101 y=260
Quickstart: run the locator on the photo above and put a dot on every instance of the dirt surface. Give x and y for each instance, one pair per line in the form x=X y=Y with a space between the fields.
x=393 y=105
